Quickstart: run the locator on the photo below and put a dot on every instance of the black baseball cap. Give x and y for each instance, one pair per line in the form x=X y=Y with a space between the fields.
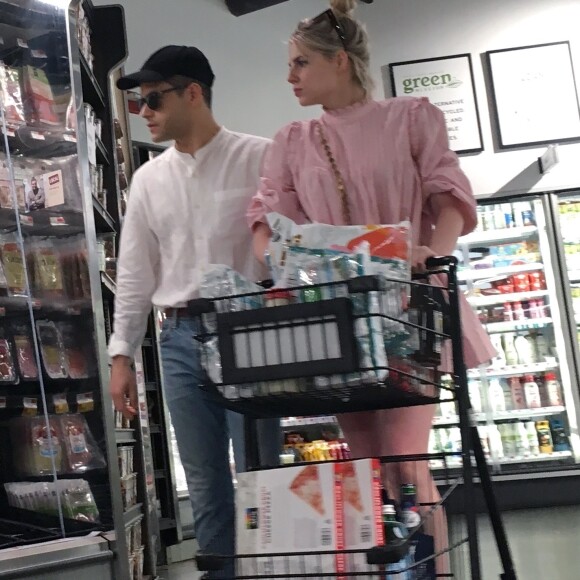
x=170 y=61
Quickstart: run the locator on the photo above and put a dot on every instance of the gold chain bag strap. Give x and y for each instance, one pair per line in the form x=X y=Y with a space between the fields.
x=341 y=187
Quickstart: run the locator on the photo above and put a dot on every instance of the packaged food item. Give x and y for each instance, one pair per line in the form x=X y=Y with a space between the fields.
x=40 y=107
x=79 y=363
x=11 y=93
x=48 y=275
x=75 y=268
x=8 y=372
x=52 y=349
x=78 y=502
x=292 y=509
x=129 y=490
x=82 y=452
x=36 y=444
x=388 y=242
x=13 y=265
x=24 y=350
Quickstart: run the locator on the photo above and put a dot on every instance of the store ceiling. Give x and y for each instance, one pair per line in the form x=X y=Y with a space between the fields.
x=241 y=7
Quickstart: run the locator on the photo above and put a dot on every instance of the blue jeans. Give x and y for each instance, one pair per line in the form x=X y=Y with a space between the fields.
x=202 y=434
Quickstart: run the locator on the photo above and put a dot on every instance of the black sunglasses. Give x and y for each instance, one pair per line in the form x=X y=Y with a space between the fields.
x=334 y=22
x=153 y=99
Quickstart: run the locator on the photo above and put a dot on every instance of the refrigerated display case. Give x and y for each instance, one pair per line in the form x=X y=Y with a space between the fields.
x=526 y=401
x=67 y=464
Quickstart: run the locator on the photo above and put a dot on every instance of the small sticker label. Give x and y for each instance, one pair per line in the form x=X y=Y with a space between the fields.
x=60 y=404
x=21 y=43
x=70 y=138
x=57 y=221
x=85 y=402
x=30 y=405
x=38 y=136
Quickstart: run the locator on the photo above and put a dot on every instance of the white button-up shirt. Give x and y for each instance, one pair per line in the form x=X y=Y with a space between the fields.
x=184 y=213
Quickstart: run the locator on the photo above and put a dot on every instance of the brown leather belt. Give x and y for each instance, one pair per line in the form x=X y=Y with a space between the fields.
x=177 y=313
x=194 y=309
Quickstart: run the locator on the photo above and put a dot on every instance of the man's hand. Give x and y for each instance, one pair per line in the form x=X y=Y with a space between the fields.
x=419 y=256
x=123 y=387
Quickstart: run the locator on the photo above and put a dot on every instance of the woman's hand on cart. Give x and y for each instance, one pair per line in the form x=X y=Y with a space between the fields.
x=419 y=257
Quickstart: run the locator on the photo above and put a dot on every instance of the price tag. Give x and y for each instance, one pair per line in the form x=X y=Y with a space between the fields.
x=21 y=43
x=57 y=221
x=69 y=138
x=38 y=136
x=30 y=406
x=37 y=53
x=60 y=404
x=26 y=220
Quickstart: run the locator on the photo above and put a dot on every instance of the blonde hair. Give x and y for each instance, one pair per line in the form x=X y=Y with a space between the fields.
x=320 y=35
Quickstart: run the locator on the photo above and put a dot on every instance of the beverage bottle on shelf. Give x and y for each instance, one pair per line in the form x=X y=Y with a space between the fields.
x=518 y=395
x=488 y=219
x=508 y=214
x=499 y=361
x=519 y=313
x=532 y=392
x=482 y=431
x=509 y=349
x=525 y=350
x=409 y=508
x=508 y=312
x=528 y=218
x=395 y=532
x=522 y=440
x=518 y=217
x=532 y=438
x=496 y=396
x=498 y=217
x=474 y=388
x=559 y=437
x=508 y=439
x=553 y=391
x=542 y=347
x=544 y=437
x=479 y=227
x=495 y=442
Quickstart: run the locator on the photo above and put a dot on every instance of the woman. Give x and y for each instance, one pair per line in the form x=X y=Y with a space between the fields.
x=369 y=162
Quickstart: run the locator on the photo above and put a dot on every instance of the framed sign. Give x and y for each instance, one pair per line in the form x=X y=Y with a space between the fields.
x=448 y=83
x=535 y=95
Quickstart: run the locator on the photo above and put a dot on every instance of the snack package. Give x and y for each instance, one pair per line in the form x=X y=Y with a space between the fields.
x=78 y=502
x=8 y=372
x=35 y=445
x=13 y=265
x=39 y=100
x=82 y=452
x=75 y=268
x=391 y=243
x=77 y=353
x=24 y=351
x=11 y=95
x=48 y=274
x=293 y=509
x=52 y=349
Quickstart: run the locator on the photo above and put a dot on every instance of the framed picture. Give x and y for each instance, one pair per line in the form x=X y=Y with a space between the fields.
x=448 y=83
x=535 y=95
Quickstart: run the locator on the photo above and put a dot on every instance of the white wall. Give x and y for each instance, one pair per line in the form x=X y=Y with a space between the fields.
x=249 y=58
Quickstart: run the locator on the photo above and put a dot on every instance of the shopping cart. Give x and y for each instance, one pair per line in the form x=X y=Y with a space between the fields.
x=363 y=344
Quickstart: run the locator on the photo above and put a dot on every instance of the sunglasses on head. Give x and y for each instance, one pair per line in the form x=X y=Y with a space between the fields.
x=154 y=98
x=331 y=16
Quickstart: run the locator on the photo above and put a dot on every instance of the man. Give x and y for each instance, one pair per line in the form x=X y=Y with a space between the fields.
x=186 y=210
x=35 y=197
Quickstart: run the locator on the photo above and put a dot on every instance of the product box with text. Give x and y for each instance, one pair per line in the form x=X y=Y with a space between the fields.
x=362 y=501
x=293 y=509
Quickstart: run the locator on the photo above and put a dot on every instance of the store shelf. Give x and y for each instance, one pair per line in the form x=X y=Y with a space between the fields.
x=503 y=298
x=133 y=514
x=513 y=370
x=123 y=436
x=513 y=325
x=557 y=455
x=487 y=273
x=102 y=153
x=104 y=223
x=492 y=236
x=515 y=415
x=92 y=92
x=108 y=284
x=304 y=421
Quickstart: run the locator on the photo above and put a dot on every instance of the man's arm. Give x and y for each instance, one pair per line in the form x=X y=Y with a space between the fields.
x=137 y=271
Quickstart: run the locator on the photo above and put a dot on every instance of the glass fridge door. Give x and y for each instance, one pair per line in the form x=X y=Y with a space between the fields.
x=524 y=401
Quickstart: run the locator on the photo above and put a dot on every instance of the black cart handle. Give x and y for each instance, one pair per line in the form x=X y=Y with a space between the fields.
x=441 y=261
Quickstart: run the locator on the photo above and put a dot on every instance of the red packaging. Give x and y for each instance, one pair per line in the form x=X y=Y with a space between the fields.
x=536 y=281
x=521 y=282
